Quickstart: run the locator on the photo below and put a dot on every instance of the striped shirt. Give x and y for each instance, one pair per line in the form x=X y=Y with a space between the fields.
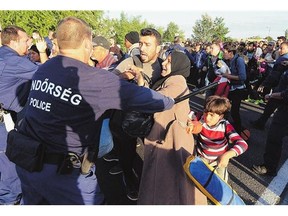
x=213 y=142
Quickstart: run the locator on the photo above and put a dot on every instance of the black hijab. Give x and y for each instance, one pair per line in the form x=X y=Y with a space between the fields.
x=180 y=65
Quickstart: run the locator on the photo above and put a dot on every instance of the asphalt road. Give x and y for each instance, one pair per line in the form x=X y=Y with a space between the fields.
x=252 y=188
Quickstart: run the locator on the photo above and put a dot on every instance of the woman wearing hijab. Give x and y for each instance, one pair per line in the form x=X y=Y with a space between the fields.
x=166 y=148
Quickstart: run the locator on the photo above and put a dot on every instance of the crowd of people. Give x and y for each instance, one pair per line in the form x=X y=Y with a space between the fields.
x=57 y=91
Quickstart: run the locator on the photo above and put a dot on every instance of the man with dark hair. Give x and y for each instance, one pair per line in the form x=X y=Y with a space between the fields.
x=132 y=43
x=237 y=83
x=16 y=72
x=283 y=38
x=177 y=45
x=125 y=145
x=276 y=52
x=199 y=60
x=150 y=46
x=216 y=54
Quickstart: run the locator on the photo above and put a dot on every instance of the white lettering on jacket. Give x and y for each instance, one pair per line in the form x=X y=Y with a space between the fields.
x=57 y=91
x=40 y=104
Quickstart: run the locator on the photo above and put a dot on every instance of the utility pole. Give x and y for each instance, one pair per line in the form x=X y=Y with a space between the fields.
x=269 y=28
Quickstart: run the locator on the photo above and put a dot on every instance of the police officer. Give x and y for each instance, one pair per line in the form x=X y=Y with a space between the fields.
x=65 y=104
x=277 y=131
x=15 y=72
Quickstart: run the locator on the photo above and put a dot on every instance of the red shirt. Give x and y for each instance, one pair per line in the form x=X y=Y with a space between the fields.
x=107 y=61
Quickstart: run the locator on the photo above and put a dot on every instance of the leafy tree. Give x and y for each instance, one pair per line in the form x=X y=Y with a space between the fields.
x=269 y=38
x=119 y=28
x=255 y=38
x=42 y=21
x=206 y=29
x=171 y=31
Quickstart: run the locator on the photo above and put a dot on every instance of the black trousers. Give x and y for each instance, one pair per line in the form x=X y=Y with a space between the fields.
x=277 y=131
x=270 y=108
x=193 y=77
x=125 y=146
x=236 y=97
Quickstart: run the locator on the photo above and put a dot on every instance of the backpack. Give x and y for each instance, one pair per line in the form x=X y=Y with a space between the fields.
x=252 y=70
x=134 y=123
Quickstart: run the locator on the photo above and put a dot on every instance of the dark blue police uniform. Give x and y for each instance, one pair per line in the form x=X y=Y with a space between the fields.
x=278 y=128
x=66 y=99
x=15 y=73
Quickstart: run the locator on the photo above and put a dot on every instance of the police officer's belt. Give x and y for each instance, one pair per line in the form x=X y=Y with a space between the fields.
x=31 y=154
x=53 y=158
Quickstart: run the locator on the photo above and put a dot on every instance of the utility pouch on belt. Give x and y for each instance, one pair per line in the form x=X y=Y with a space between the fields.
x=25 y=151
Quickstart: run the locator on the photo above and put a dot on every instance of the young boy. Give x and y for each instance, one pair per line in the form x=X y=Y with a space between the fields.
x=216 y=134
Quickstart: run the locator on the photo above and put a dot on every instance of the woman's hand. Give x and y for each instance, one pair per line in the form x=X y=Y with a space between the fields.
x=133 y=72
x=41 y=45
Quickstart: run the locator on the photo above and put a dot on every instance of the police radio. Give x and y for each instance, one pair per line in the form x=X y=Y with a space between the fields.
x=6 y=118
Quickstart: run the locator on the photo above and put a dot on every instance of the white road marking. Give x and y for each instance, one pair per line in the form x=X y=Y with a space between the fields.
x=271 y=195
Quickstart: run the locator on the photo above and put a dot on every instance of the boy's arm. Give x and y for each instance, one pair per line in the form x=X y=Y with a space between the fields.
x=223 y=160
x=239 y=146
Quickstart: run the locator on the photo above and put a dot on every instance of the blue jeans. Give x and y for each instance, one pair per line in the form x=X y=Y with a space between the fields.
x=10 y=186
x=49 y=187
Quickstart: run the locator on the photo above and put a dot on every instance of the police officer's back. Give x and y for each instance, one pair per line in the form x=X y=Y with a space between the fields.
x=65 y=107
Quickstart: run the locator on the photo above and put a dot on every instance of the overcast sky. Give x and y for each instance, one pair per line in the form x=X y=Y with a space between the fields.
x=244 y=18
x=242 y=24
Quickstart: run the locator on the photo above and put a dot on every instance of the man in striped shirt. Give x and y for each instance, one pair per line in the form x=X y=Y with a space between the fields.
x=218 y=141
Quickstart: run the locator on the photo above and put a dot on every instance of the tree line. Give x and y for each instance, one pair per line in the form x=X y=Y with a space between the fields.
x=205 y=29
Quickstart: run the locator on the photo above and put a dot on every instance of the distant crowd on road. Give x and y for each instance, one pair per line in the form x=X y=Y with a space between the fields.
x=64 y=98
